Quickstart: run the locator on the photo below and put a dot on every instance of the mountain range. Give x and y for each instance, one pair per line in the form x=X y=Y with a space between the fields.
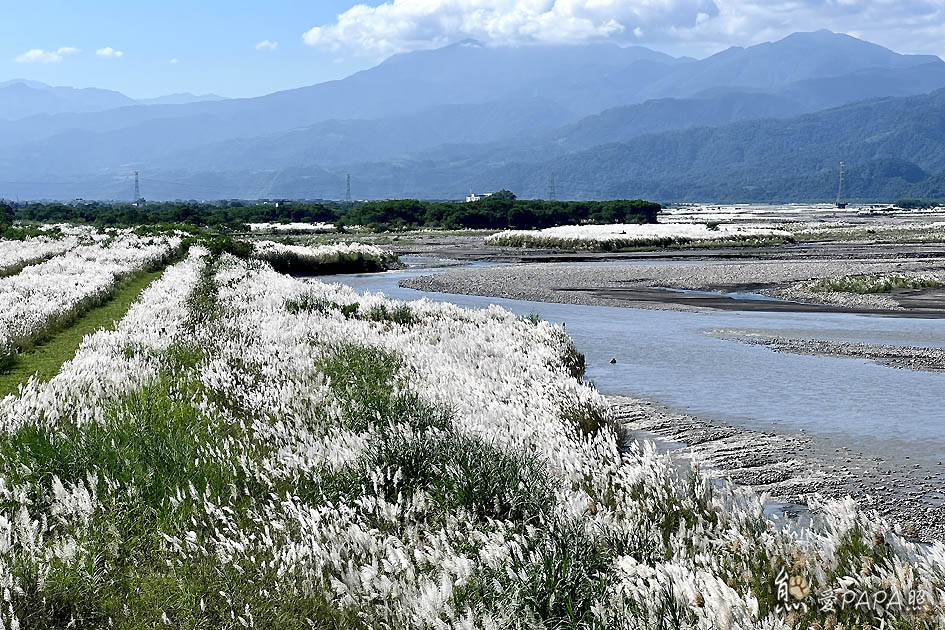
x=765 y=123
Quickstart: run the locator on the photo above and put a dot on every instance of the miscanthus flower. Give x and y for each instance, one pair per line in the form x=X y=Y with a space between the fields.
x=50 y=292
x=292 y=227
x=629 y=235
x=365 y=462
x=13 y=254
x=322 y=254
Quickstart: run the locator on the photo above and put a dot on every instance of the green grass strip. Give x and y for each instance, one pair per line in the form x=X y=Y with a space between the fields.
x=45 y=359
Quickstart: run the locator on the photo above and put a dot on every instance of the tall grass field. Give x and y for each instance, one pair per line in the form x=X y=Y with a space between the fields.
x=250 y=449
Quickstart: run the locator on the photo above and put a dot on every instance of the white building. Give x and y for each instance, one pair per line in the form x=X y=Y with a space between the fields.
x=474 y=197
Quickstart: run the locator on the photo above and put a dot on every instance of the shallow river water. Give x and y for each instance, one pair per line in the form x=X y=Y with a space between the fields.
x=668 y=357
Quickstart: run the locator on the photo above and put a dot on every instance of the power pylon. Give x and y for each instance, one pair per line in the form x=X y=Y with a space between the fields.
x=552 y=189
x=840 y=203
x=348 y=189
x=137 y=187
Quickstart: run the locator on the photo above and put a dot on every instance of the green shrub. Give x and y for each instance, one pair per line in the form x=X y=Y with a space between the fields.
x=564 y=573
x=307 y=302
x=296 y=264
x=11 y=233
x=398 y=315
x=7 y=357
x=218 y=245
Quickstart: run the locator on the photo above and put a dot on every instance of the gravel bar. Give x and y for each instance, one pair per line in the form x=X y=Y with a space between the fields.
x=901 y=357
x=633 y=284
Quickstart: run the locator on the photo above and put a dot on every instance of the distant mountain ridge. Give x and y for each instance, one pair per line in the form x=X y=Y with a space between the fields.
x=436 y=122
x=22 y=98
x=180 y=98
x=893 y=147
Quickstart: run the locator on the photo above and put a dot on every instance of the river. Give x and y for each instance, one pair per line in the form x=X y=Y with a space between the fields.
x=667 y=356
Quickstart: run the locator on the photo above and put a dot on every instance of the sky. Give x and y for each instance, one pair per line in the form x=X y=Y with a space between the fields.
x=240 y=48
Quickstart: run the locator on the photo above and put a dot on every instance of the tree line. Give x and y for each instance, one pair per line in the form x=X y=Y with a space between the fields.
x=6 y=215
x=500 y=211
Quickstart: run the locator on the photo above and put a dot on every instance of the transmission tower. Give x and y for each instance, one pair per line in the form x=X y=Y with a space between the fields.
x=137 y=188
x=840 y=203
x=348 y=189
x=552 y=189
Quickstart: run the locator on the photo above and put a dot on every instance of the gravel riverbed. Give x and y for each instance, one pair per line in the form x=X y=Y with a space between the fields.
x=633 y=284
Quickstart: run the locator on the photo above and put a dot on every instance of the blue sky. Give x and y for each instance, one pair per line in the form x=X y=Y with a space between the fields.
x=214 y=43
x=247 y=48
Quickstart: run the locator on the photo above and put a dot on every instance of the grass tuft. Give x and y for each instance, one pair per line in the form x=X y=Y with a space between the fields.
x=151 y=443
x=566 y=571
x=306 y=302
x=876 y=283
x=398 y=315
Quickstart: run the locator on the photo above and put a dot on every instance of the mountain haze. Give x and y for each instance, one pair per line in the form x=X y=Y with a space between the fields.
x=608 y=121
x=892 y=146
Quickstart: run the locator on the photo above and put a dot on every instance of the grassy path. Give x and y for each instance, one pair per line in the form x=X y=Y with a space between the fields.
x=45 y=359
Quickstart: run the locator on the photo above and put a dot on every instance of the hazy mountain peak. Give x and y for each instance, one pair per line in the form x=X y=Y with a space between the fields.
x=36 y=85
x=827 y=42
x=180 y=98
x=20 y=98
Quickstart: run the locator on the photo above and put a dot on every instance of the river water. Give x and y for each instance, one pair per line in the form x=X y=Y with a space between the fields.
x=667 y=356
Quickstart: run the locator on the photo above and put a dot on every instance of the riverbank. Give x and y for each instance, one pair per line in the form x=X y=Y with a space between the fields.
x=792 y=466
x=798 y=469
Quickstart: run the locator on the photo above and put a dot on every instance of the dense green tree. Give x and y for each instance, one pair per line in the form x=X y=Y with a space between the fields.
x=6 y=215
x=500 y=211
x=506 y=194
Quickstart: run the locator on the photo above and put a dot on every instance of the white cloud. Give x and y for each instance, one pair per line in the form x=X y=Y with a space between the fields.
x=174 y=60
x=38 y=55
x=400 y=25
x=688 y=26
x=108 y=51
x=267 y=45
